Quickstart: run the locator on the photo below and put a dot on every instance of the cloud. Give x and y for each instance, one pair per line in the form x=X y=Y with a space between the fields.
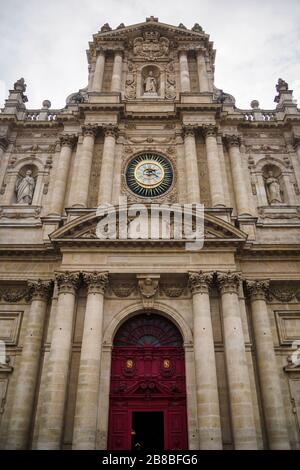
x=45 y=41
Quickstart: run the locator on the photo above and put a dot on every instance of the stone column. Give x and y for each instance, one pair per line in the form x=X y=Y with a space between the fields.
x=205 y=364
x=273 y=407
x=238 y=178
x=19 y=427
x=99 y=71
x=116 y=81
x=241 y=406
x=107 y=167
x=214 y=167
x=53 y=409
x=191 y=164
x=184 y=72
x=84 y=167
x=202 y=73
x=85 y=424
x=62 y=173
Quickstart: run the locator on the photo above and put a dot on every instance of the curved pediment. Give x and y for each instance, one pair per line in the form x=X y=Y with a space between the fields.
x=84 y=229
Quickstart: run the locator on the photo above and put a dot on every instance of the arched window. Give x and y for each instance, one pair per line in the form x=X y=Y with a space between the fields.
x=148 y=329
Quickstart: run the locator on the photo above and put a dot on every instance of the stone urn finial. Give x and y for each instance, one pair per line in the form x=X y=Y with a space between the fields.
x=254 y=104
x=46 y=104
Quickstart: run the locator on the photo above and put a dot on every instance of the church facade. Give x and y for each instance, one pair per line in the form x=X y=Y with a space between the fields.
x=124 y=343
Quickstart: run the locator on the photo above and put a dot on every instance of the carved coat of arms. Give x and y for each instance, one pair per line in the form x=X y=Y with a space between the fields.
x=151 y=45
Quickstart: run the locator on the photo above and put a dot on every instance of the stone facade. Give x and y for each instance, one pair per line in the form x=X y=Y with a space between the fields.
x=64 y=293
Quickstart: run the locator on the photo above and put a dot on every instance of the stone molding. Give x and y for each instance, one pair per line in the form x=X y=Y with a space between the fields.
x=40 y=290
x=200 y=282
x=229 y=282
x=257 y=289
x=67 y=282
x=96 y=282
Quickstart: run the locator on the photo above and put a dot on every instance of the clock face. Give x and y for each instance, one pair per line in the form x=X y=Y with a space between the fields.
x=149 y=175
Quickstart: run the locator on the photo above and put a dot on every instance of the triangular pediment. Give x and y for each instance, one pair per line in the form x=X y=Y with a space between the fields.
x=126 y=35
x=84 y=229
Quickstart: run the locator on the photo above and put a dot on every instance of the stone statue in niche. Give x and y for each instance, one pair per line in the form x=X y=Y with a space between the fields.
x=25 y=188
x=150 y=84
x=273 y=189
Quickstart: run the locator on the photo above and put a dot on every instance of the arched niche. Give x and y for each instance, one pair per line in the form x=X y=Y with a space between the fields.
x=274 y=188
x=25 y=185
x=151 y=82
x=280 y=172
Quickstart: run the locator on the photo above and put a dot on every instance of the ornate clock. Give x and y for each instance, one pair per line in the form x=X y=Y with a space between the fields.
x=149 y=175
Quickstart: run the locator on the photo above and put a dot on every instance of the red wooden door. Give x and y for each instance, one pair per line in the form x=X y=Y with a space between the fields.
x=148 y=375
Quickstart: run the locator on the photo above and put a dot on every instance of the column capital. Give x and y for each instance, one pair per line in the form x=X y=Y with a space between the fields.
x=229 y=282
x=182 y=50
x=4 y=143
x=67 y=282
x=200 y=282
x=232 y=140
x=119 y=50
x=210 y=130
x=40 y=290
x=68 y=140
x=96 y=281
x=257 y=289
x=100 y=50
x=189 y=130
x=110 y=131
x=90 y=130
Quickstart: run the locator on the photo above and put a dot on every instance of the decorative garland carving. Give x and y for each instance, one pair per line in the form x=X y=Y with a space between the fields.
x=173 y=290
x=15 y=294
x=283 y=294
x=123 y=288
x=170 y=81
x=130 y=84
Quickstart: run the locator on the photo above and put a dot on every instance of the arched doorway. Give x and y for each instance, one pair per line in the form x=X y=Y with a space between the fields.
x=147 y=386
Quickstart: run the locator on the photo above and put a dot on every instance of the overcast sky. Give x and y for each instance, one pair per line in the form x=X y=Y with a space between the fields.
x=45 y=41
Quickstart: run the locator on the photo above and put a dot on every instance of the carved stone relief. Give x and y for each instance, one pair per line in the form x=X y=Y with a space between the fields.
x=151 y=45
